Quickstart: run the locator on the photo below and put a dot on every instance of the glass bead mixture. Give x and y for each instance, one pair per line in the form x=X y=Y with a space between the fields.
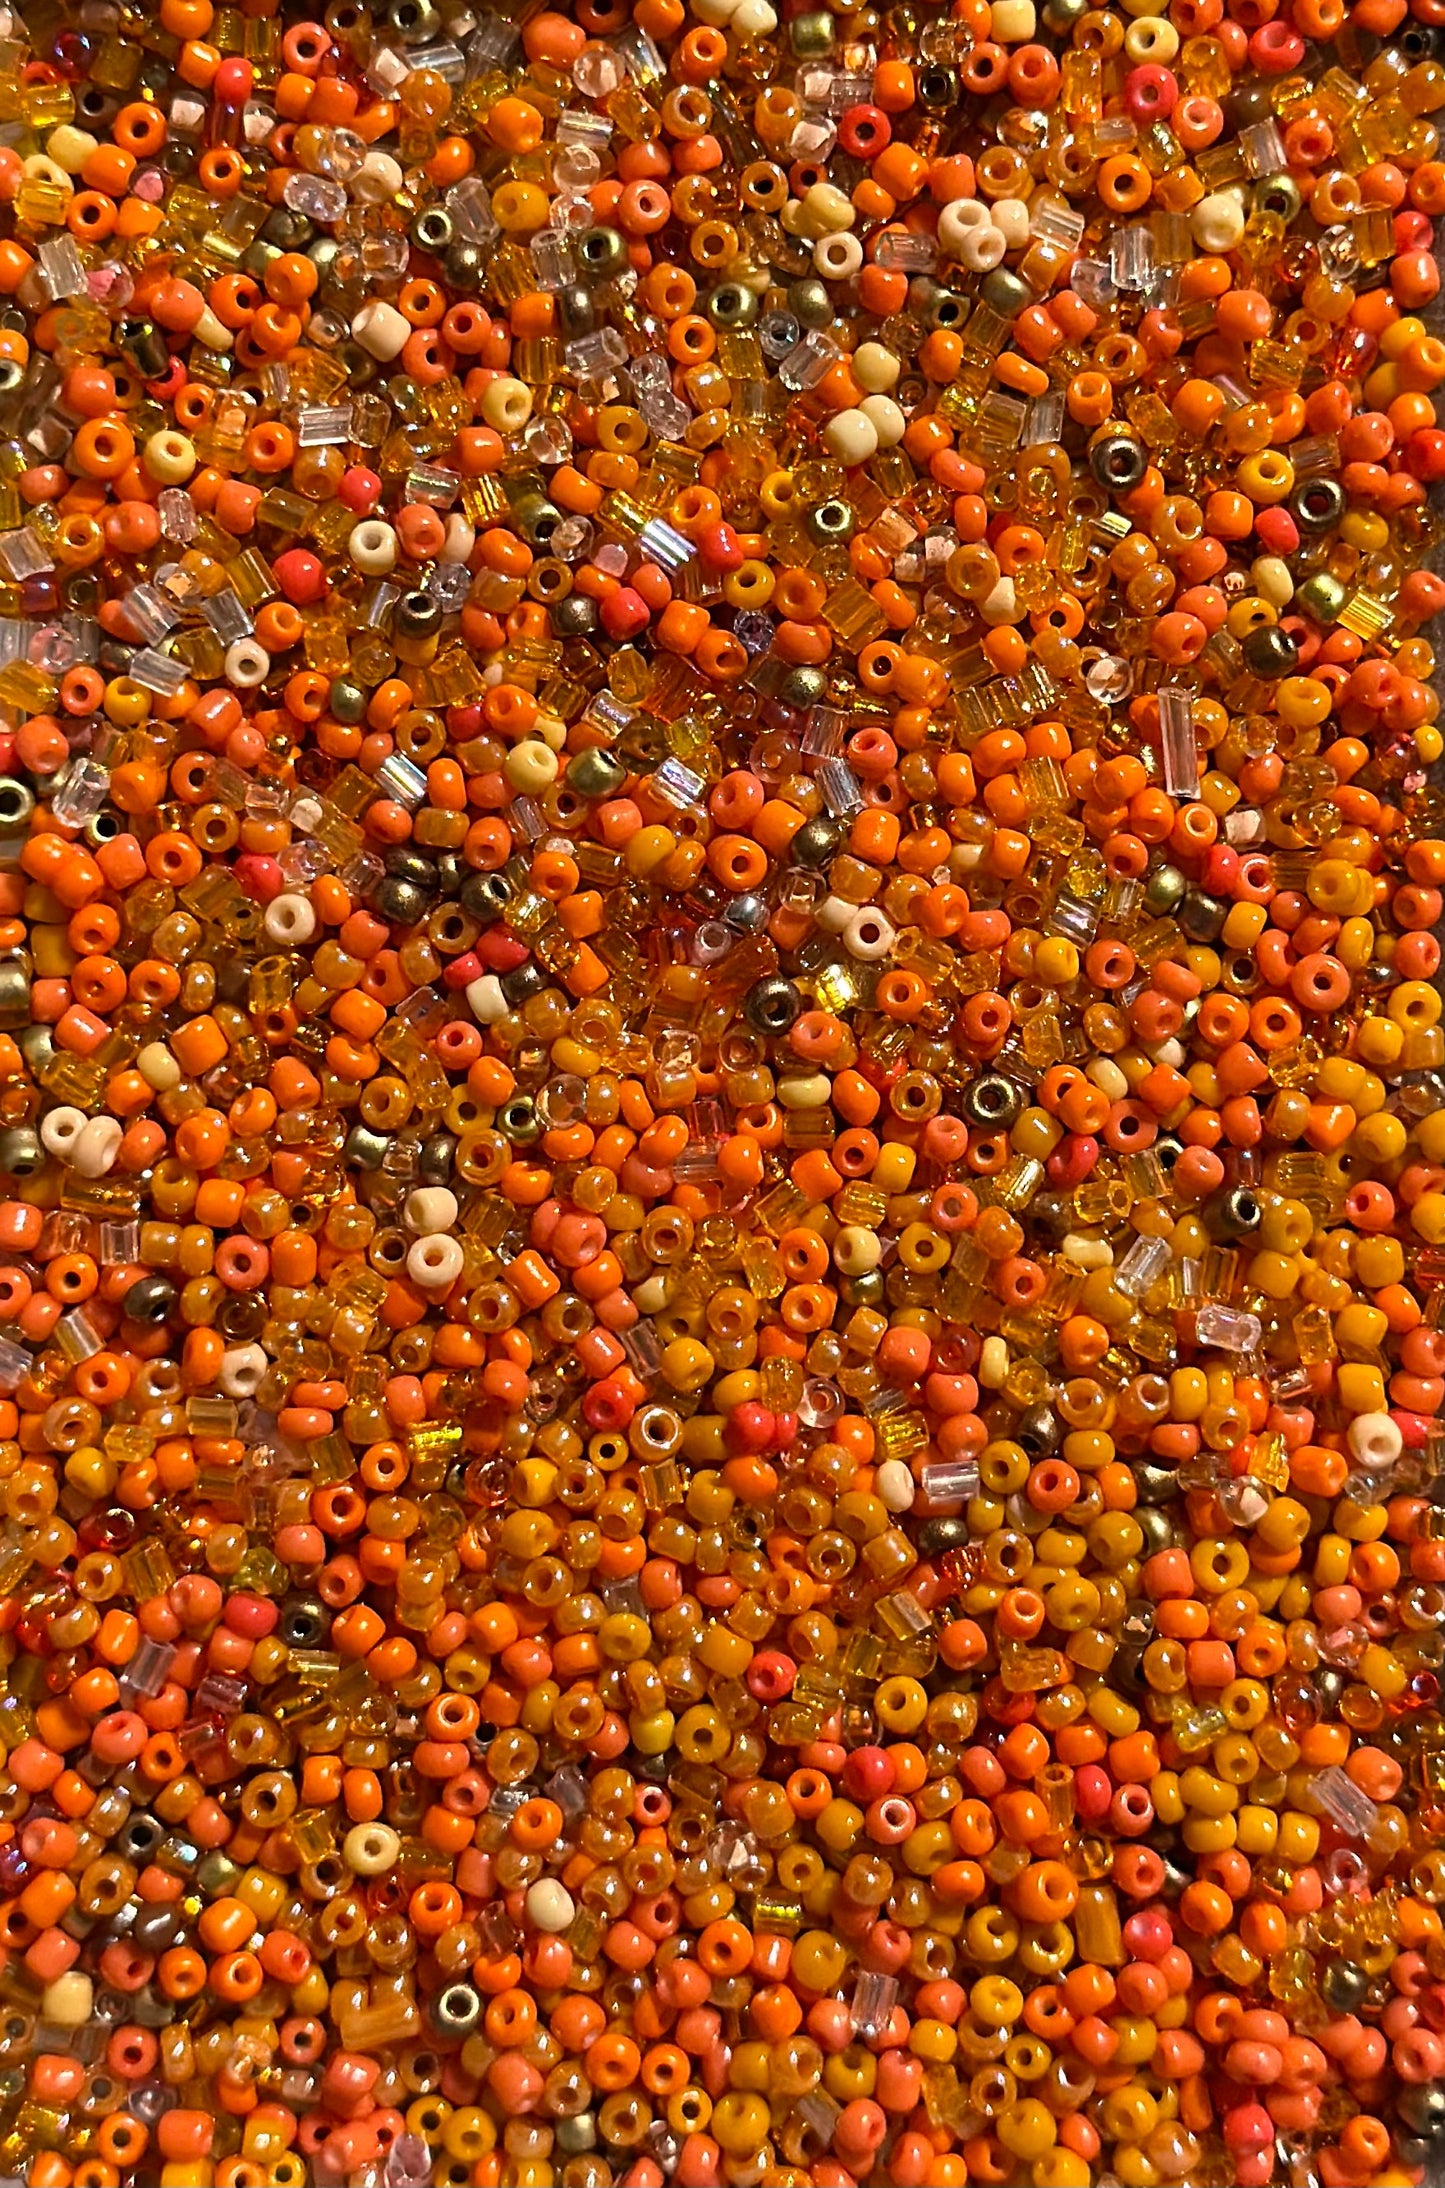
x=722 y=1102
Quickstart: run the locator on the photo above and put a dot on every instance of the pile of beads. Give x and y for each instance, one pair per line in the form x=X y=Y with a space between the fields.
x=722 y=1103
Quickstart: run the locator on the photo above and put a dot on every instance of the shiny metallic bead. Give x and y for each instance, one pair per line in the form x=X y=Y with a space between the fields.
x=365 y=1149
x=948 y=310
x=772 y=1005
x=259 y=257
x=1342 y=1986
x=816 y=841
x=151 y=1300
x=437 y=1158
x=518 y=1118
x=810 y=304
x=1317 y=504
x=1158 y=1527
x=528 y=980
x=1277 y=194
x=432 y=230
x=142 y=345
x=21 y=1153
x=868 y=1290
x=804 y=687
x=1038 y=1430
x=937 y=85
x=464 y=264
x=575 y=311
x=576 y=2135
x=17 y=803
x=746 y=913
x=417 y=615
x=536 y=519
x=943 y=1534
x=593 y=774
x=347 y=700
x=831 y=523
x=574 y=617
x=1270 y=652
x=1118 y=462
x=14 y=994
x=731 y=305
x=413 y=19
x=1233 y=1212
x=991 y=1099
x=402 y=902
x=486 y=896
x=304 y=1622
x=1201 y=917
x=811 y=35
x=456 y=2010
x=601 y=252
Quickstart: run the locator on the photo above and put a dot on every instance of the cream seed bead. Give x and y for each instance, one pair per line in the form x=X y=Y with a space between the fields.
x=70 y=147
x=430 y=1209
x=856 y=1252
x=993 y=1363
x=69 y=2001
x=243 y=1370
x=169 y=457
x=530 y=766
x=247 y=665
x=1013 y=22
x=1087 y=1253
x=958 y=219
x=507 y=404
x=372 y=547
x=1217 y=222
x=434 y=1264
x=96 y=1148
x=852 y=437
x=60 y=1132
x=158 y=1067
x=805 y=1090
x=1001 y=604
x=869 y=935
x=1272 y=581
x=982 y=249
x=380 y=180
x=381 y=330
x=1375 y=1441
x=886 y=419
x=1011 y=218
x=838 y=258
x=371 y=1849
x=289 y=919
x=485 y=999
x=875 y=368
x=894 y=1486
x=753 y=20
x=550 y=1906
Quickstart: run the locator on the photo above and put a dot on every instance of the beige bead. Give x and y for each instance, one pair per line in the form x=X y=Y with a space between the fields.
x=435 y=1263
x=1272 y=581
x=243 y=1369
x=886 y=419
x=158 y=1067
x=1001 y=606
x=60 y=1132
x=993 y=1363
x=372 y=547
x=754 y=19
x=1012 y=22
x=485 y=999
x=856 y=1251
x=875 y=368
x=381 y=330
x=1217 y=222
x=70 y=147
x=95 y=1150
x=838 y=257
x=826 y=210
x=894 y=1485
x=851 y=437
x=289 y=919
x=1087 y=1253
x=868 y=935
x=69 y=2001
x=506 y=404
x=370 y=1849
x=530 y=766
x=958 y=219
x=169 y=457
x=1152 y=38
x=805 y=1090
x=380 y=180
x=550 y=1906
x=1011 y=218
x=431 y=1208
x=982 y=249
